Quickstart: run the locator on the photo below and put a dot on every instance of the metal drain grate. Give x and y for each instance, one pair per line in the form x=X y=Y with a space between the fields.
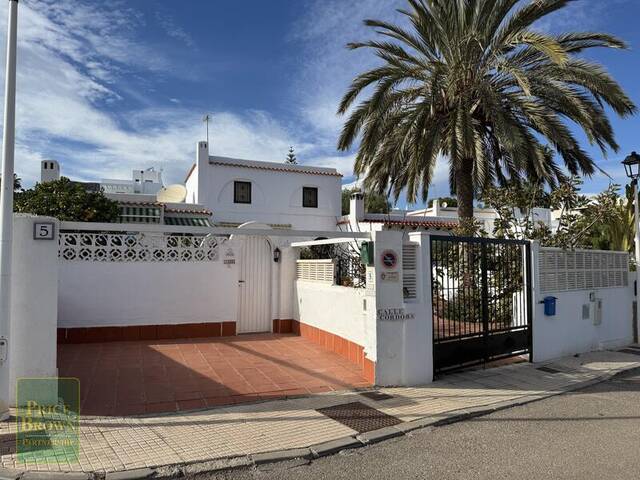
x=359 y=417
x=548 y=370
x=633 y=351
x=377 y=396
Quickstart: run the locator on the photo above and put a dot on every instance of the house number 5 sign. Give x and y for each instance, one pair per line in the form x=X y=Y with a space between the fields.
x=44 y=231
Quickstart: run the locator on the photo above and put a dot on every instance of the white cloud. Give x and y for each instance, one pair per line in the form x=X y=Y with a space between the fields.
x=84 y=77
x=329 y=67
x=172 y=29
x=75 y=59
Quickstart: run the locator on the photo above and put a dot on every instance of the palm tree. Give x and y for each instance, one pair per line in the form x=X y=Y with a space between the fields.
x=473 y=82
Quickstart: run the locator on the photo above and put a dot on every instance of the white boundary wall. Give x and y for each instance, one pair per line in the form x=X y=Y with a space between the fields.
x=404 y=345
x=117 y=280
x=335 y=309
x=34 y=294
x=120 y=294
x=568 y=333
x=396 y=333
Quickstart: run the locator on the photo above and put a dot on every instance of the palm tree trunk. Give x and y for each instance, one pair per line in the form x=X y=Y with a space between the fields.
x=464 y=192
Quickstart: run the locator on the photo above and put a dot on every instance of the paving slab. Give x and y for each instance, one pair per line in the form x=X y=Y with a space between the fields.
x=259 y=433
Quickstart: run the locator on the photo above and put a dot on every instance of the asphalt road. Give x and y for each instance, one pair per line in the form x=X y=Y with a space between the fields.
x=589 y=434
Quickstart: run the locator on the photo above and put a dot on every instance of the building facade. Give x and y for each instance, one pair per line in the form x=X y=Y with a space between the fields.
x=137 y=198
x=485 y=216
x=358 y=220
x=281 y=195
x=147 y=182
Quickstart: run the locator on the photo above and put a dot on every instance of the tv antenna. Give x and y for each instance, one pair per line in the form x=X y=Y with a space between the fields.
x=206 y=120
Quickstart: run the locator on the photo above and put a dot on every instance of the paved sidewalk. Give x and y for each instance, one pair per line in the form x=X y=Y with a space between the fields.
x=111 y=444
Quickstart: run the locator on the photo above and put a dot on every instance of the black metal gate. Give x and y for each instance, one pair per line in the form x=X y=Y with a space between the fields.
x=481 y=300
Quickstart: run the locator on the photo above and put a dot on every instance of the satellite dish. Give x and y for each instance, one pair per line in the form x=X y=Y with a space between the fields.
x=172 y=194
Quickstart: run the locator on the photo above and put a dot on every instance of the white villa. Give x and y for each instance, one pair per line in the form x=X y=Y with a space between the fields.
x=360 y=221
x=280 y=195
x=147 y=181
x=486 y=216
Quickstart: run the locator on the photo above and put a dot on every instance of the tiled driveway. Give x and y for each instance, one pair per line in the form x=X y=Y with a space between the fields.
x=130 y=378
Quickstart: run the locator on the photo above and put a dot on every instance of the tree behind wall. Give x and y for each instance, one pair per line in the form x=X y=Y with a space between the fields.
x=477 y=84
x=373 y=202
x=603 y=221
x=17 y=182
x=291 y=157
x=67 y=201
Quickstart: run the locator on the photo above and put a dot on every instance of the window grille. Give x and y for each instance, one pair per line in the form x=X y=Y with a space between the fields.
x=241 y=192
x=310 y=197
x=563 y=270
x=410 y=271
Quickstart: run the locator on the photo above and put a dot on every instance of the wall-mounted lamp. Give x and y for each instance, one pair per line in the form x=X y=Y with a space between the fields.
x=276 y=255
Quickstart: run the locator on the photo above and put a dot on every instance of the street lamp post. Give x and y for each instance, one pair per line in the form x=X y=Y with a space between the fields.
x=6 y=206
x=632 y=169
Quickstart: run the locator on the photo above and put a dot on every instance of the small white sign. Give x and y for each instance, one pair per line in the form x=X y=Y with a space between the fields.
x=44 y=231
x=390 y=276
x=371 y=281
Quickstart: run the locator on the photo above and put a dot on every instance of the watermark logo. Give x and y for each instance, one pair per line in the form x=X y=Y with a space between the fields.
x=48 y=419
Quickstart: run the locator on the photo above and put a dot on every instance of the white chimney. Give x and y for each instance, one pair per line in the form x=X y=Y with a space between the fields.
x=202 y=154
x=49 y=171
x=356 y=207
x=436 y=207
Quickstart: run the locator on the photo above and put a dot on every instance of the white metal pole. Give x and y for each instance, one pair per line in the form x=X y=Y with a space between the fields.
x=6 y=203
x=636 y=223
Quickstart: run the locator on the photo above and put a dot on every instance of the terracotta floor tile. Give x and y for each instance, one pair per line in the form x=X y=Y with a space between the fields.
x=125 y=410
x=153 y=376
x=248 y=398
x=218 y=401
x=195 y=395
x=191 y=404
x=160 y=407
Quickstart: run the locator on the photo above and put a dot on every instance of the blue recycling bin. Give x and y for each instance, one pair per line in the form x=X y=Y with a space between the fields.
x=549 y=306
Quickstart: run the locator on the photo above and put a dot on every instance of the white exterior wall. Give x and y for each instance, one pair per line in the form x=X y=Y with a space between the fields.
x=34 y=295
x=100 y=294
x=418 y=332
x=286 y=295
x=276 y=196
x=401 y=348
x=192 y=186
x=404 y=346
x=335 y=309
x=567 y=333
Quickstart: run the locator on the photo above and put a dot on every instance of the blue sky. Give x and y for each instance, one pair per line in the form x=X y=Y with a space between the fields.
x=105 y=87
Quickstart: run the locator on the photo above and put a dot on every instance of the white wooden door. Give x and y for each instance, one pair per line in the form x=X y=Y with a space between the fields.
x=255 y=286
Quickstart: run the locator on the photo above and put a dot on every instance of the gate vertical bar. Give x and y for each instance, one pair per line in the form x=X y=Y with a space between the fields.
x=528 y=293
x=434 y=294
x=485 y=299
